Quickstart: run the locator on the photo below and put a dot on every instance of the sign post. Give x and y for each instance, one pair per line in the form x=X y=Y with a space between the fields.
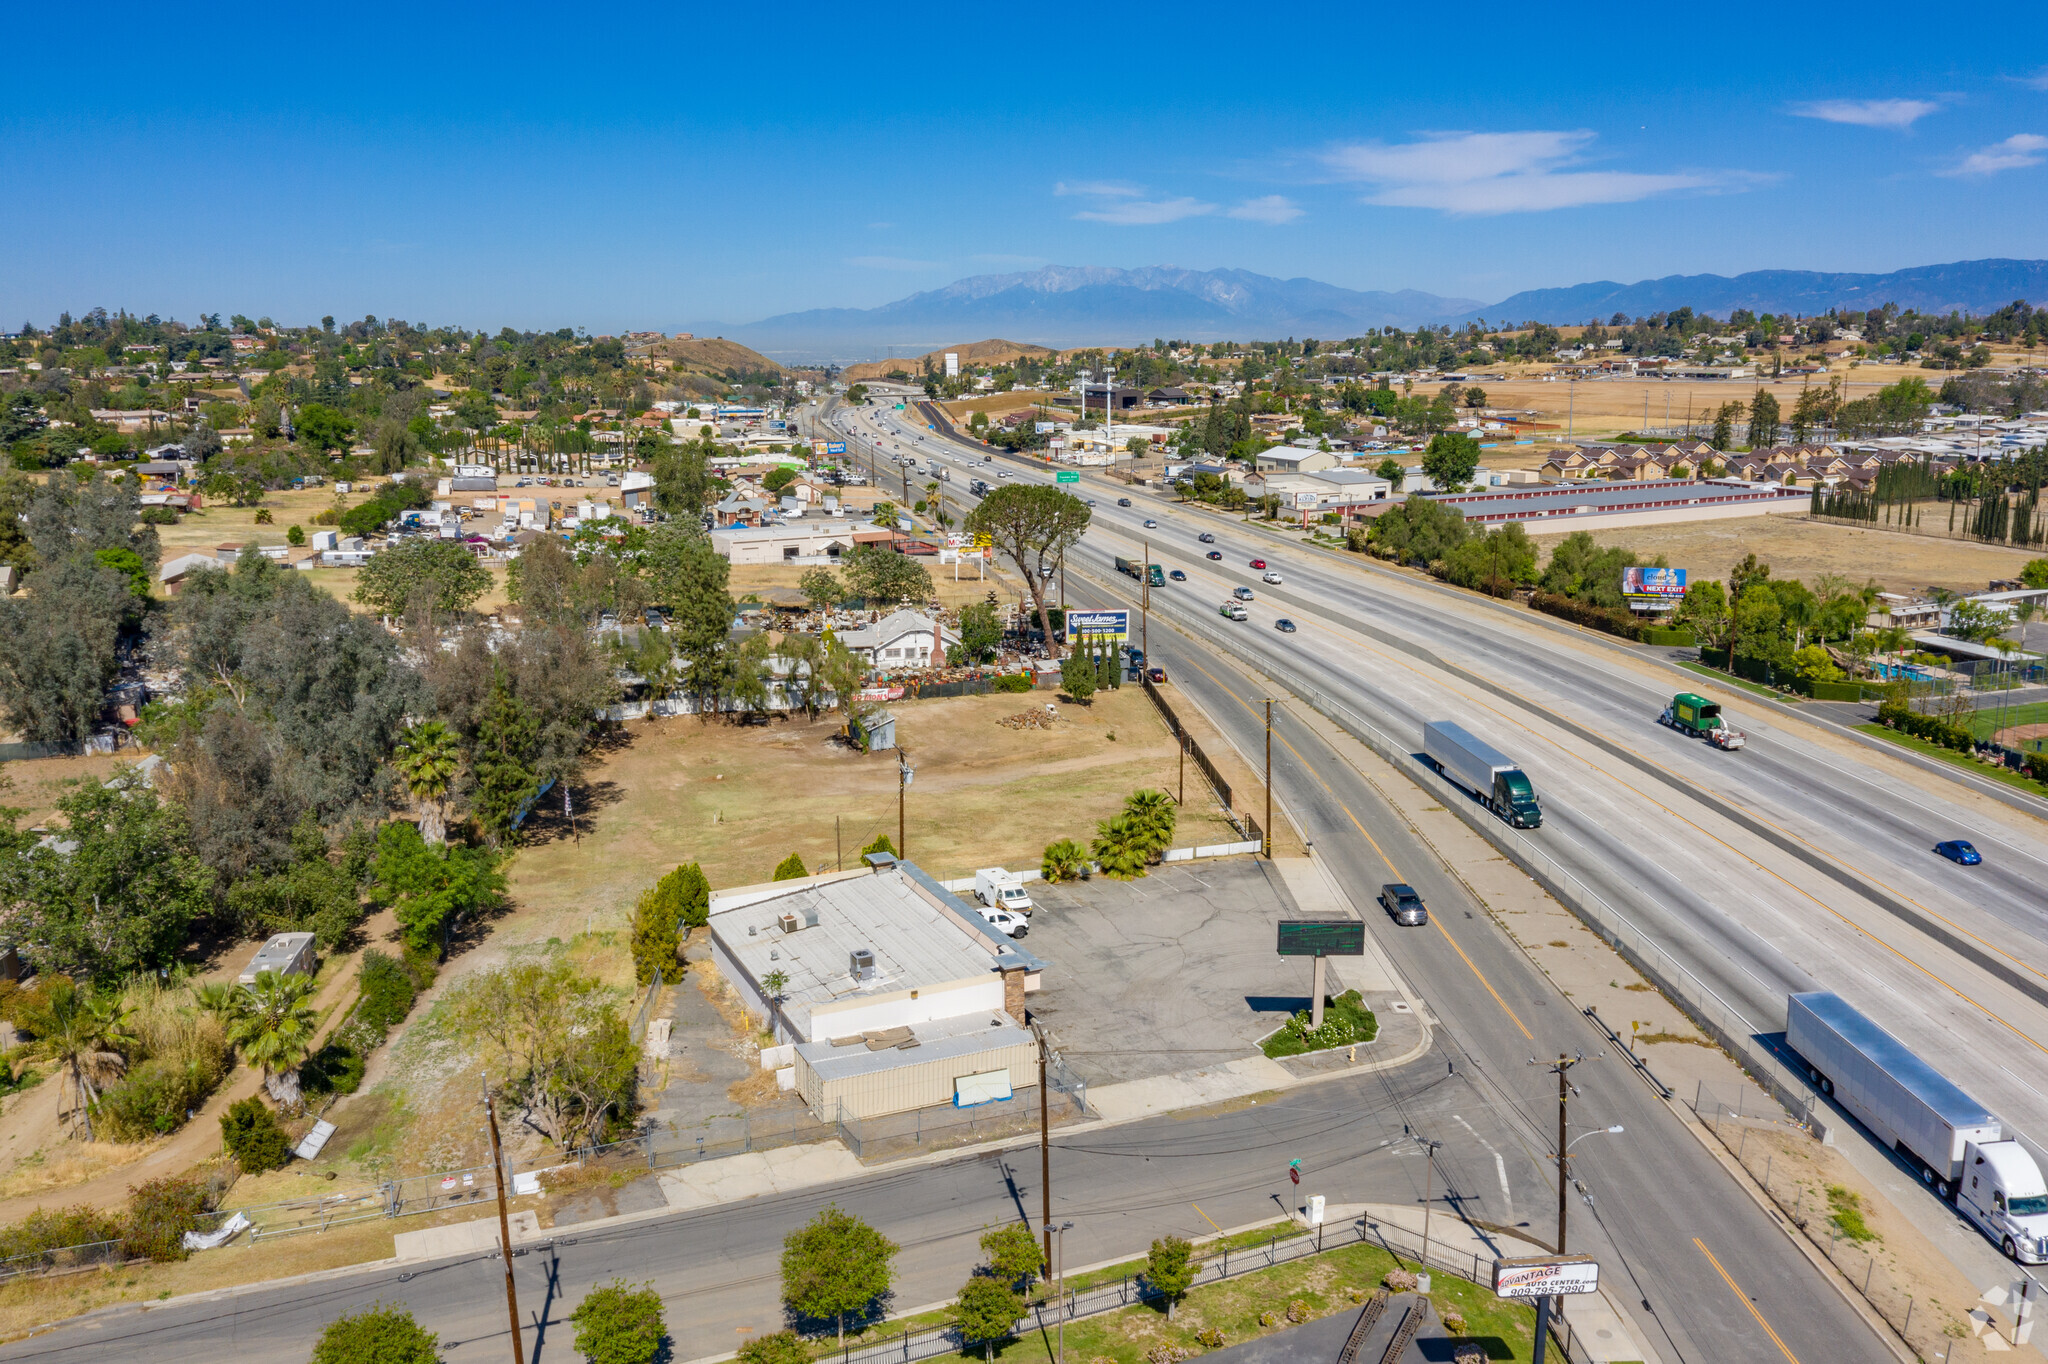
x=1067 y=476
x=1544 y=1277
x=1320 y=938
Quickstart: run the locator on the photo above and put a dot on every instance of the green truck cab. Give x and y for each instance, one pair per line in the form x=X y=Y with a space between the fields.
x=1702 y=719
x=1143 y=572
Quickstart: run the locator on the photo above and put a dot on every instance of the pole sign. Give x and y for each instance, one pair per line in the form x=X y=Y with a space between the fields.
x=1320 y=937
x=1653 y=582
x=837 y=447
x=1067 y=476
x=1540 y=1276
x=1044 y=428
x=1099 y=624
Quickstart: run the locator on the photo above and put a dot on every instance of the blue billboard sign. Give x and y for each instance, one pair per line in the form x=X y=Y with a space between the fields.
x=1098 y=623
x=835 y=447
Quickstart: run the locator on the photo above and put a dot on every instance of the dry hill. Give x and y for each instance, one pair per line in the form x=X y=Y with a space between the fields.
x=991 y=352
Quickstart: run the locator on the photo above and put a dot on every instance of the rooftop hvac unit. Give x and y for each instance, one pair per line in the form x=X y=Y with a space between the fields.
x=811 y=916
x=789 y=923
x=863 y=963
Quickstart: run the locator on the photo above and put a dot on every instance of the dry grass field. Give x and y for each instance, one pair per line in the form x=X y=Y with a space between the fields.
x=1796 y=547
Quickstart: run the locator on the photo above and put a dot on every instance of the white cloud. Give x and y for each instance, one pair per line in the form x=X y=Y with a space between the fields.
x=1476 y=173
x=2017 y=151
x=893 y=263
x=1100 y=189
x=1122 y=204
x=1868 y=113
x=1273 y=209
x=2037 y=81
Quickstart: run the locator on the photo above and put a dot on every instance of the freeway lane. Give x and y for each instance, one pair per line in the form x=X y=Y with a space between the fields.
x=1788 y=863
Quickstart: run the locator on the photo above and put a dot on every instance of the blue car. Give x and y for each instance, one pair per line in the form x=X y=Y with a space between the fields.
x=1959 y=850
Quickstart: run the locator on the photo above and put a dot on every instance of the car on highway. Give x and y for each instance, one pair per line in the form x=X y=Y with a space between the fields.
x=1091 y=501
x=1241 y=593
x=1271 y=577
x=1285 y=626
x=1404 y=904
x=1258 y=563
x=1959 y=851
x=1150 y=524
x=1178 y=576
x=1216 y=554
x=1232 y=610
x=1123 y=501
x=1206 y=538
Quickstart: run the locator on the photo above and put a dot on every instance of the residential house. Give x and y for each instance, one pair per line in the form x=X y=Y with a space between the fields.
x=901 y=639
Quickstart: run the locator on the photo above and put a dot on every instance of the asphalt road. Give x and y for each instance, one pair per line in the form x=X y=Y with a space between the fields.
x=1787 y=866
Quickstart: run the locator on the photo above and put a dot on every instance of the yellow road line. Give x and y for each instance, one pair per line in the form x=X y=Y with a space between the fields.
x=1743 y=1298
x=1206 y=1218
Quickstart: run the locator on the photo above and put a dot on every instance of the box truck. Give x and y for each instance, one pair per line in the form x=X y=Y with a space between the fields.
x=1957 y=1145
x=1000 y=889
x=1702 y=719
x=1483 y=770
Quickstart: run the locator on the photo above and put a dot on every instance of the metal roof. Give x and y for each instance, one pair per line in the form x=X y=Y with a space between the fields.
x=940 y=1039
x=1927 y=1084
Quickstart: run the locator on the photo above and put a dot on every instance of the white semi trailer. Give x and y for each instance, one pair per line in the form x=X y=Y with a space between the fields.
x=1958 y=1146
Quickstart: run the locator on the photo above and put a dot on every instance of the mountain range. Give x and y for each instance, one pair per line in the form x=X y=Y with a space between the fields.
x=1068 y=306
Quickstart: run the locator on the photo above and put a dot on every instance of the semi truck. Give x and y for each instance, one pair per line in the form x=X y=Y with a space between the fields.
x=1702 y=719
x=1139 y=569
x=1483 y=770
x=1958 y=1146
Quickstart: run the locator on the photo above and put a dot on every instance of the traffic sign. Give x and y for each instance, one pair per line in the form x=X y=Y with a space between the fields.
x=1067 y=476
x=1321 y=937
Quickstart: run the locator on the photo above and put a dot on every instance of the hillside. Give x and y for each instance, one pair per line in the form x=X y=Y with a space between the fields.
x=991 y=352
x=715 y=356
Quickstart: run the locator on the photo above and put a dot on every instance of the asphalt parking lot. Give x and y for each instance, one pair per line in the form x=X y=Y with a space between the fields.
x=1171 y=972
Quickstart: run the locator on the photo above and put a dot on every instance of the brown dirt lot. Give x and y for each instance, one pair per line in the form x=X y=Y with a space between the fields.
x=1797 y=547
x=740 y=799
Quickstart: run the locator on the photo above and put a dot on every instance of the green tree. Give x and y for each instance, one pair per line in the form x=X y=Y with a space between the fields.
x=1170 y=1269
x=502 y=760
x=85 y=1033
x=1704 y=611
x=687 y=577
x=821 y=587
x=430 y=889
x=1033 y=526
x=1014 y=1255
x=377 y=1335
x=986 y=1312
x=683 y=483
x=1724 y=425
x=836 y=1266
x=1079 y=674
x=617 y=1324
x=426 y=759
x=273 y=1027
x=1760 y=627
x=1493 y=561
x=790 y=868
x=569 y=1059
x=778 y=478
x=253 y=1136
x=442 y=572
x=1390 y=469
x=321 y=427
x=1763 y=419
x=1062 y=861
x=1155 y=813
x=657 y=919
x=1122 y=847
x=879 y=844
x=981 y=631
x=879 y=574
x=1815 y=664
x=1586 y=571
x=129 y=565
x=62 y=648
x=294 y=536
x=1450 y=461
x=2035 y=573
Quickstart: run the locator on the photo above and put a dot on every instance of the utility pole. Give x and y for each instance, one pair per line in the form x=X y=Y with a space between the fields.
x=1266 y=832
x=504 y=1225
x=1428 y=1193
x=1044 y=1145
x=904 y=774
x=1564 y=1094
x=1145 y=602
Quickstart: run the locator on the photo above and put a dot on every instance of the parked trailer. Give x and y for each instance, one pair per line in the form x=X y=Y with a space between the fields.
x=1483 y=770
x=1957 y=1145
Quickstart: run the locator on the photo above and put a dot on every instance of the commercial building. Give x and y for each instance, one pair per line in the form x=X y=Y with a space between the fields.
x=885 y=992
x=1581 y=506
x=817 y=541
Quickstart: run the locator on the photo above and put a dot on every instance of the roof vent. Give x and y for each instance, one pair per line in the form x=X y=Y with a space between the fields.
x=790 y=923
x=811 y=916
x=752 y=931
x=863 y=963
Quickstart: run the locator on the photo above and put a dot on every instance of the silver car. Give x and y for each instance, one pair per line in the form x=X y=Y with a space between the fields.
x=1404 y=904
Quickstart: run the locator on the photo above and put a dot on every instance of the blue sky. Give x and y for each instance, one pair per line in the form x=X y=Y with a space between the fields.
x=617 y=168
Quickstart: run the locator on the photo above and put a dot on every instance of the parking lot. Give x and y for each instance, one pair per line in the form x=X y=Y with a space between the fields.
x=1178 y=970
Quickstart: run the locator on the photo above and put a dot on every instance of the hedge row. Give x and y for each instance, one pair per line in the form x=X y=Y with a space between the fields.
x=1678 y=639
x=1935 y=730
x=1607 y=618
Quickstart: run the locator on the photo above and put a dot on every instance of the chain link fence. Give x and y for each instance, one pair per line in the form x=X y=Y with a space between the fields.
x=60 y=1258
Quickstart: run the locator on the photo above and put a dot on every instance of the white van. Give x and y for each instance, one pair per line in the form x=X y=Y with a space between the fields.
x=1000 y=889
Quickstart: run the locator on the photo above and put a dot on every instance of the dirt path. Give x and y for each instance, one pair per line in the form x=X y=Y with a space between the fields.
x=195 y=1141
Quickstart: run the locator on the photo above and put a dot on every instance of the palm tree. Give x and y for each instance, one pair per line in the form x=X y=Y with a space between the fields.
x=1155 y=813
x=1122 y=847
x=274 y=1029
x=1063 y=860
x=427 y=758
x=85 y=1033
x=222 y=999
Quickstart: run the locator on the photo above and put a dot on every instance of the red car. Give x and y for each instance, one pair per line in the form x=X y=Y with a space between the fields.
x=1258 y=563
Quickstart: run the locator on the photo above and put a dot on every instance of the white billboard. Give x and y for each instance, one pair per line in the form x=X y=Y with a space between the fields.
x=1540 y=1276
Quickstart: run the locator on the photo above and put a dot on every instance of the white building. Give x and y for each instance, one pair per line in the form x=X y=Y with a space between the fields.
x=901 y=639
x=812 y=541
x=952 y=364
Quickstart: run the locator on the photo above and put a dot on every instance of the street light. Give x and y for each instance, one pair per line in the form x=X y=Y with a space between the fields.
x=1059 y=1302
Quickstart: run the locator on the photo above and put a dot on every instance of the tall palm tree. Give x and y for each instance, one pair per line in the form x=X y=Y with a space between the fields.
x=427 y=758
x=274 y=1029
x=85 y=1033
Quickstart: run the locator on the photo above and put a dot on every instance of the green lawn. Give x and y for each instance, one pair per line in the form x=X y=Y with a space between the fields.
x=1990 y=719
x=1730 y=680
x=2018 y=780
x=1346 y=1021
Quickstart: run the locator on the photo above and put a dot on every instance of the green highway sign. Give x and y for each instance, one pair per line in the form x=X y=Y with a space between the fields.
x=1067 y=476
x=1322 y=937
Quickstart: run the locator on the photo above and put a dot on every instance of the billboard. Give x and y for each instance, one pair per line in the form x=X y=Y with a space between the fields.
x=1044 y=428
x=1653 y=582
x=1322 y=938
x=1098 y=624
x=1539 y=1276
x=837 y=447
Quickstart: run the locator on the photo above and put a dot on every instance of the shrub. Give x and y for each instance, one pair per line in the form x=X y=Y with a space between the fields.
x=159 y=1215
x=1400 y=1280
x=336 y=1068
x=777 y=1347
x=377 y=1335
x=159 y=516
x=1269 y=1319
x=1122 y=847
x=790 y=868
x=1610 y=619
x=619 y=1325
x=1011 y=682
x=1210 y=1338
x=386 y=991
x=1934 y=729
x=880 y=844
x=254 y=1137
x=1297 y=1311
x=1454 y=1322
x=53 y=1229
x=155 y=1098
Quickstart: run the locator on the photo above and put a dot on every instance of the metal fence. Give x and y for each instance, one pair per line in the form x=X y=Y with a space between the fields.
x=929 y=1129
x=639 y=1028
x=60 y=1258
x=1220 y=1263
x=1189 y=744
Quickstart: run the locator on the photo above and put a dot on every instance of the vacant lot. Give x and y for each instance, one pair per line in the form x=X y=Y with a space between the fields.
x=738 y=799
x=1796 y=547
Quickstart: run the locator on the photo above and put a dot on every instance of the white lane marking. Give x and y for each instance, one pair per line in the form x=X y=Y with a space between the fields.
x=1500 y=1167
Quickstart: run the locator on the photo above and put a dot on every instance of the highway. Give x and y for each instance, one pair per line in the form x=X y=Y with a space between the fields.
x=1793 y=864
